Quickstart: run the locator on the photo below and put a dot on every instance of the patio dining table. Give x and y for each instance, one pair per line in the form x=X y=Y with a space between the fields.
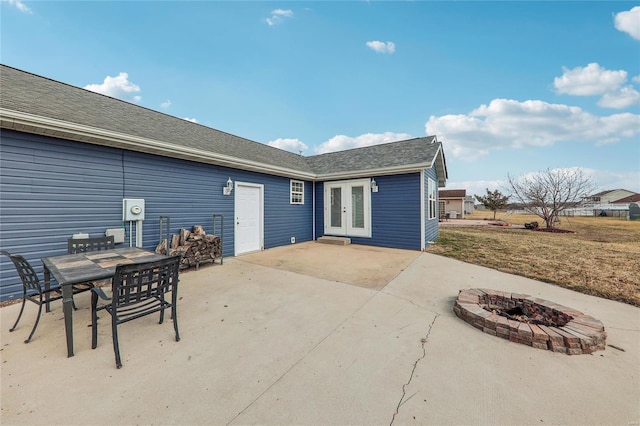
x=79 y=268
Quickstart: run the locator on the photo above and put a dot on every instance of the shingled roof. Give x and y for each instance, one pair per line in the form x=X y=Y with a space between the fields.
x=630 y=199
x=452 y=193
x=388 y=155
x=35 y=104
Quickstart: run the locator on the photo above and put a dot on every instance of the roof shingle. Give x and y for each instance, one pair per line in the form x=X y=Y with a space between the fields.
x=452 y=193
x=28 y=93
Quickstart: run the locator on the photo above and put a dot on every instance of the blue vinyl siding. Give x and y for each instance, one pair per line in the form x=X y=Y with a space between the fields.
x=284 y=220
x=395 y=212
x=192 y=192
x=431 y=229
x=189 y=193
x=52 y=188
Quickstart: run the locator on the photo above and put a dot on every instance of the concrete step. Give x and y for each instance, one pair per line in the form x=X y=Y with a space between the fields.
x=341 y=241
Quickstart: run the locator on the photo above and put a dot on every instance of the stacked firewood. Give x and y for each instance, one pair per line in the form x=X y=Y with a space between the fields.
x=196 y=246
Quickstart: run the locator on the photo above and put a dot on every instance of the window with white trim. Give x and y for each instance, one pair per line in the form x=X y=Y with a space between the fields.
x=297 y=192
x=432 y=199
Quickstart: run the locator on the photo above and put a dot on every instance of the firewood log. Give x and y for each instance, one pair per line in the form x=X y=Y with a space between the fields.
x=198 y=230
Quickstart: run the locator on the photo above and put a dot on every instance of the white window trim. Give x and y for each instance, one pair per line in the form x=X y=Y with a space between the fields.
x=292 y=192
x=432 y=199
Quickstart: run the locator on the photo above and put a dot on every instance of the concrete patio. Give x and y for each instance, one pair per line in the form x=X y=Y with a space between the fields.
x=295 y=343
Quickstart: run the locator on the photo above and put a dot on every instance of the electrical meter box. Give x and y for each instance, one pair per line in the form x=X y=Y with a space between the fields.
x=117 y=233
x=132 y=209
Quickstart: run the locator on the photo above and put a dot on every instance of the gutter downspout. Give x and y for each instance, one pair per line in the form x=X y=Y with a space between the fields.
x=313 y=208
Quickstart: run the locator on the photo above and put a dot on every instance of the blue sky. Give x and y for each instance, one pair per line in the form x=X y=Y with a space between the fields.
x=508 y=87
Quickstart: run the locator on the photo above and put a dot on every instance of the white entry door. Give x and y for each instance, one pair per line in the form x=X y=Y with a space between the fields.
x=249 y=210
x=347 y=208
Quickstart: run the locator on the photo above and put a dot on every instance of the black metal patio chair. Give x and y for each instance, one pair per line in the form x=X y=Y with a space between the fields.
x=33 y=291
x=138 y=289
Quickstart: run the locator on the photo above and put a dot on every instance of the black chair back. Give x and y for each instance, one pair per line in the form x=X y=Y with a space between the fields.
x=139 y=289
x=82 y=245
x=26 y=272
x=31 y=289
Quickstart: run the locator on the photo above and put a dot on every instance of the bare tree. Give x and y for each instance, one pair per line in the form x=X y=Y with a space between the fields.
x=547 y=193
x=494 y=200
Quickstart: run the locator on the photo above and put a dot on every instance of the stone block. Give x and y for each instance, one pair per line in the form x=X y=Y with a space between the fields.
x=557 y=348
x=539 y=335
x=553 y=336
x=570 y=340
x=539 y=345
x=468 y=298
x=585 y=341
x=502 y=332
x=490 y=331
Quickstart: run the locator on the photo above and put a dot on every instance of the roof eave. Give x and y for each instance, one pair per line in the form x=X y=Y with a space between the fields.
x=35 y=124
x=441 y=167
x=30 y=123
x=380 y=171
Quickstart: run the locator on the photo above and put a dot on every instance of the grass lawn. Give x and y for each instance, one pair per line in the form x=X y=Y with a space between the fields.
x=601 y=258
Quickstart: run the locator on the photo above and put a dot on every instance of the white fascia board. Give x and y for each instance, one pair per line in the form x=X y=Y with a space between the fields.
x=441 y=164
x=382 y=171
x=30 y=123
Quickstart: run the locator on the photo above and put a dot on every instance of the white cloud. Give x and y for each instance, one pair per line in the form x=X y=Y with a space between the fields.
x=18 y=5
x=607 y=179
x=117 y=87
x=595 y=80
x=588 y=81
x=506 y=123
x=622 y=98
x=282 y=12
x=278 y=16
x=636 y=79
x=165 y=104
x=342 y=142
x=292 y=145
x=193 y=120
x=381 y=46
x=629 y=22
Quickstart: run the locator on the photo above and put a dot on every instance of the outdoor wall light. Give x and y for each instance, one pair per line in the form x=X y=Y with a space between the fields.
x=374 y=185
x=227 y=189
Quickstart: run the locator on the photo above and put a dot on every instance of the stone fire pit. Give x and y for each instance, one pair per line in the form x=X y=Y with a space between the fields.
x=531 y=321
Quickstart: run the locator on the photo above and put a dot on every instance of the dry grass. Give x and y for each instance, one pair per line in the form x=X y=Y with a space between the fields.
x=602 y=258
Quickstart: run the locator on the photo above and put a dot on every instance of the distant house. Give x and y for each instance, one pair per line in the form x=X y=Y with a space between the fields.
x=455 y=202
x=606 y=197
x=611 y=203
x=635 y=198
x=69 y=158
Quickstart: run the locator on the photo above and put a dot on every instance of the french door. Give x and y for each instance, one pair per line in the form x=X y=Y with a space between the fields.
x=347 y=208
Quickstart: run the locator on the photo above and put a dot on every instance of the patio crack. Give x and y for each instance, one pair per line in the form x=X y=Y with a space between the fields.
x=402 y=401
